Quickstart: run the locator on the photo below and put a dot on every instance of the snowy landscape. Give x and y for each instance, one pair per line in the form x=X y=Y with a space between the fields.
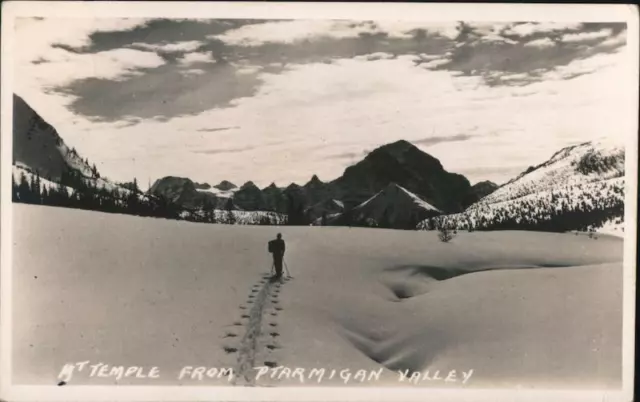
x=467 y=232
x=390 y=299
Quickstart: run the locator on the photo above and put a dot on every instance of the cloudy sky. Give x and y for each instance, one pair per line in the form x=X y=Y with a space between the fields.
x=281 y=100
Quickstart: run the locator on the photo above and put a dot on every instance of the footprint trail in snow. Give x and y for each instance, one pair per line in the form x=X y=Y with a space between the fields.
x=261 y=330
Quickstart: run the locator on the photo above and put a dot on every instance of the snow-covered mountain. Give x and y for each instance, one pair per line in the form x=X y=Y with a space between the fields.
x=579 y=164
x=580 y=187
x=392 y=207
x=406 y=165
x=39 y=149
x=328 y=207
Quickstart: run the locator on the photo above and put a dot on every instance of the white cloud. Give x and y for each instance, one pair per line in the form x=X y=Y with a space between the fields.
x=375 y=56
x=320 y=110
x=530 y=28
x=514 y=77
x=196 y=57
x=584 y=66
x=435 y=63
x=619 y=39
x=193 y=71
x=58 y=67
x=284 y=32
x=301 y=30
x=496 y=38
x=426 y=56
x=403 y=29
x=186 y=46
x=63 y=67
x=248 y=70
x=356 y=105
x=541 y=43
x=35 y=37
x=585 y=36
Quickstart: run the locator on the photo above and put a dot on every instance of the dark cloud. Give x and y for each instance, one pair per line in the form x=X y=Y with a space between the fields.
x=40 y=60
x=161 y=31
x=508 y=54
x=345 y=155
x=349 y=155
x=210 y=130
x=224 y=150
x=162 y=92
x=439 y=139
x=167 y=91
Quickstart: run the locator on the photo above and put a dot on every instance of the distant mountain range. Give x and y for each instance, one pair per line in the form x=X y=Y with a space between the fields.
x=395 y=186
x=399 y=163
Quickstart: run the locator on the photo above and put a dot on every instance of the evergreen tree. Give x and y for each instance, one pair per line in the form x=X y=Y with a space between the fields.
x=296 y=214
x=23 y=188
x=133 y=202
x=37 y=194
x=292 y=218
x=207 y=209
x=323 y=221
x=231 y=218
x=33 y=193
x=44 y=197
x=14 y=189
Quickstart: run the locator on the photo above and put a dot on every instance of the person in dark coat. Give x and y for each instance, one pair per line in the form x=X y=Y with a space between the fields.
x=277 y=249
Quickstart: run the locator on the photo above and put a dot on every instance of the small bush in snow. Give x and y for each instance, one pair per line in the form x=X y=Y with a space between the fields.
x=445 y=234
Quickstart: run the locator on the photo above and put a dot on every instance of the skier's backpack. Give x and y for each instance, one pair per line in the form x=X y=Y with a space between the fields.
x=271 y=246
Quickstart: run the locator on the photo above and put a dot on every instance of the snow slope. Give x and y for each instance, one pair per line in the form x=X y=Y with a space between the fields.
x=561 y=170
x=579 y=188
x=18 y=171
x=219 y=193
x=240 y=217
x=520 y=309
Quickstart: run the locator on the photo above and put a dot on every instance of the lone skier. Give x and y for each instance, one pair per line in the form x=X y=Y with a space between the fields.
x=277 y=247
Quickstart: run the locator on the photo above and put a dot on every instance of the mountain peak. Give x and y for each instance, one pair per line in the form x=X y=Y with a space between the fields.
x=315 y=181
x=202 y=186
x=225 y=185
x=403 y=152
x=406 y=165
x=400 y=144
x=396 y=148
x=248 y=184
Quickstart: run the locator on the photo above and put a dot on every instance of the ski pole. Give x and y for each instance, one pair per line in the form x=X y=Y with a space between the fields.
x=287 y=268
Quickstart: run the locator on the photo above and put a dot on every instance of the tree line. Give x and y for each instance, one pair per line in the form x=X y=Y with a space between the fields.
x=572 y=208
x=74 y=190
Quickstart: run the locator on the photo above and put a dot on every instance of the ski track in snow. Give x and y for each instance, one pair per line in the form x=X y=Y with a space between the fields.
x=262 y=294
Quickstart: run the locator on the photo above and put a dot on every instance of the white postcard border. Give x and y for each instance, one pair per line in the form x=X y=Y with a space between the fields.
x=359 y=11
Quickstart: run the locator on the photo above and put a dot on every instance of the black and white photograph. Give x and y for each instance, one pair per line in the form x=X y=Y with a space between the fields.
x=258 y=202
